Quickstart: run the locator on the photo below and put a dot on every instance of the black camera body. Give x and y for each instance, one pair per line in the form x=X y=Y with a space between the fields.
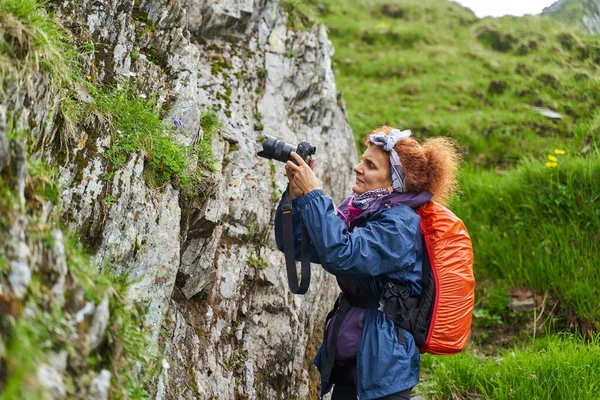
x=274 y=149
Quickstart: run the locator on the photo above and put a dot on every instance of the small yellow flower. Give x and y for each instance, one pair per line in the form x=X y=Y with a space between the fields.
x=551 y=158
x=121 y=97
x=382 y=25
x=89 y=78
x=559 y=152
x=551 y=164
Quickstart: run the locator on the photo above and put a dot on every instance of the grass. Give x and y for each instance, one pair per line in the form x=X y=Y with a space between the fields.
x=433 y=67
x=211 y=126
x=554 y=367
x=31 y=40
x=538 y=227
x=43 y=182
x=138 y=127
x=25 y=344
x=258 y=262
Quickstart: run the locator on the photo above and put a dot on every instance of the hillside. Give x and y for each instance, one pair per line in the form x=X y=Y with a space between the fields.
x=583 y=13
x=505 y=88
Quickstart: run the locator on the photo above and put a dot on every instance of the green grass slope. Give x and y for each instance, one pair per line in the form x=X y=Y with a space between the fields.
x=435 y=68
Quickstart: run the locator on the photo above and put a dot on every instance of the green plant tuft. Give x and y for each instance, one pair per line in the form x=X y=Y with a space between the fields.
x=258 y=262
x=211 y=125
x=137 y=127
x=31 y=40
x=301 y=14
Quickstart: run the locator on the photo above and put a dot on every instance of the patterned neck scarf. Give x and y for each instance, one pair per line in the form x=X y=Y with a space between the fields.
x=364 y=200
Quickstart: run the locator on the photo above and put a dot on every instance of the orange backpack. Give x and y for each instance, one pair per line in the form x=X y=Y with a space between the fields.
x=442 y=321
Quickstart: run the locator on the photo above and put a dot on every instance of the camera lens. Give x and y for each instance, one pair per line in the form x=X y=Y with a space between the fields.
x=274 y=149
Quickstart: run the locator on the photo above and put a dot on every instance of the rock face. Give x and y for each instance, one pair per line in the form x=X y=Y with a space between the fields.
x=585 y=13
x=205 y=267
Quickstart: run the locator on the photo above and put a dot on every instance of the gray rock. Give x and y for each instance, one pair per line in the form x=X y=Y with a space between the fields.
x=20 y=273
x=58 y=361
x=4 y=150
x=20 y=171
x=51 y=380
x=522 y=306
x=546 y=112
x=99 y=386
x=57 y=265
x=95 y=334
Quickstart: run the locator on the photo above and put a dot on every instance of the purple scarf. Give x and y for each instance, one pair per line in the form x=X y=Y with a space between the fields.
x=362 y=201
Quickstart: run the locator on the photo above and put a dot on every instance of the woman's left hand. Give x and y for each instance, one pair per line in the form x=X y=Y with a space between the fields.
x=301 y=176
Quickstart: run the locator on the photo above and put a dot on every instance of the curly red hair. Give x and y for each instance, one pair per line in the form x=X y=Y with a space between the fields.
x=430 y=166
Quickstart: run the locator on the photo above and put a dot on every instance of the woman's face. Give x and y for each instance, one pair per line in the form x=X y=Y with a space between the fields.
x=373 y=172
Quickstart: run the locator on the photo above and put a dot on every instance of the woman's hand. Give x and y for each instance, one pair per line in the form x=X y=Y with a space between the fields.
x=302 y=177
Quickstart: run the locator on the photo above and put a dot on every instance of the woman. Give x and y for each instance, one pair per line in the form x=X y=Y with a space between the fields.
x=373 y=238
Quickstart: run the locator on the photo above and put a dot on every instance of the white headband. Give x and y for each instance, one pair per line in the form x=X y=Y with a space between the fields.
x=388 y=142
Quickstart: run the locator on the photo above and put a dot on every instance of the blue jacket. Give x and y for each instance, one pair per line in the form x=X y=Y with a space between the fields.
x=387 y=242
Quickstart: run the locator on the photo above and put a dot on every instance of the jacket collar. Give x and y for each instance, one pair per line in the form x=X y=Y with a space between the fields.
x=412 y=200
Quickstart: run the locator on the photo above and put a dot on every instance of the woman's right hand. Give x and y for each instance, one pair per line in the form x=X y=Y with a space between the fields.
x=295 y=191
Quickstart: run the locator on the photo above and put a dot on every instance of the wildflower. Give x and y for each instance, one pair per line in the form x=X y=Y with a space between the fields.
x=551 y=164
x=121 y=97
x=551 y=158
x=382 y=25
x=89 y=77
x=177 y=122
x=559 y=152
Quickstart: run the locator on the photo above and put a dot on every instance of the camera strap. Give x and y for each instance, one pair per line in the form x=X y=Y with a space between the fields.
x=290 y=250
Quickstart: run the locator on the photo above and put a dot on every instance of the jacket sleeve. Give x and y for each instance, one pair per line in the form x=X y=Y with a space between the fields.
x=387 y=242
x=297 y=229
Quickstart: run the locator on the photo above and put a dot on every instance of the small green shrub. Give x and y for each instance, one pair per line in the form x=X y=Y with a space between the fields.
x=257 y=262
x=137 y=127
x=211 y=125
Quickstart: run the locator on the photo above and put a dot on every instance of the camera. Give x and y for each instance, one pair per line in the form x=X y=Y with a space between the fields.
x=274 y=149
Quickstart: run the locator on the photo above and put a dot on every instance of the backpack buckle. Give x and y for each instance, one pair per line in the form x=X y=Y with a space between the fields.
x=381 y=304
x=397 y=290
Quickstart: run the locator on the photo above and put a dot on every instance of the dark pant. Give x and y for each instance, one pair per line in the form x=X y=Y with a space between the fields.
x=344 y=379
